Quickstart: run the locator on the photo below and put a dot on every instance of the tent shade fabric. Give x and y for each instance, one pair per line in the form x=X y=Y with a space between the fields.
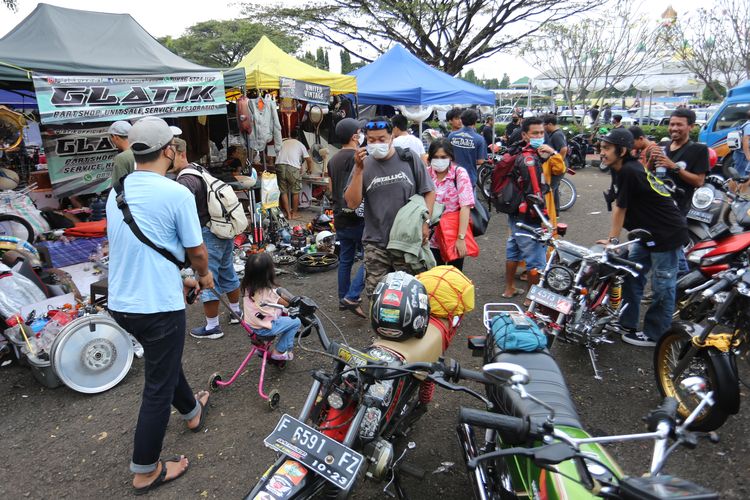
x=266 y=63
x=400 y=78
x=68 y=41
x=18 y=98
x=234 y=78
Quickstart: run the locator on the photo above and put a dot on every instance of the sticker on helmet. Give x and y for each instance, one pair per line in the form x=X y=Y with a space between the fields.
x=424 y=301
x=390 y=315
x=418 y=322
x=392 y=298
x=390 y=333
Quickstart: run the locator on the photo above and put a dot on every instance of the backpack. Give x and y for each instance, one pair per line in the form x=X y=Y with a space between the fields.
x=514 y=331
x=227 y=215
x=505 y=194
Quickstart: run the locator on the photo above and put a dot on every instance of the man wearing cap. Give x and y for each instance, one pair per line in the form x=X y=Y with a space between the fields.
x=124 y=163
x=147 y=294
x=349 y=223
x=386 y=183
x=220 y=252
x=642 y=201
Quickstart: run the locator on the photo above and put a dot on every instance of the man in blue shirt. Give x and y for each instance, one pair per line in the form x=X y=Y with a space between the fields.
x=147 y=295
x=469 y=147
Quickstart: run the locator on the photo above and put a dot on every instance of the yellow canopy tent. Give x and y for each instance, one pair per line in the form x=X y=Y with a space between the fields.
x=266 y=63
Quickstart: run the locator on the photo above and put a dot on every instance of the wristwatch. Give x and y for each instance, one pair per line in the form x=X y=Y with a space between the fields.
x=461 y=236
x=614 y=241
x=680 y=165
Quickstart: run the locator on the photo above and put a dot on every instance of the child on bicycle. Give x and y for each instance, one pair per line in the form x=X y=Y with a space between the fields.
x=259 y=287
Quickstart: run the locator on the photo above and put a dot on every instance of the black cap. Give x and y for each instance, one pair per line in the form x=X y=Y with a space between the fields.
x=618 y=137
x=347 y=127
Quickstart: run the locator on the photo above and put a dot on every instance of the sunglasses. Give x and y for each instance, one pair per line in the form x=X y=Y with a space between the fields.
x=378 y=126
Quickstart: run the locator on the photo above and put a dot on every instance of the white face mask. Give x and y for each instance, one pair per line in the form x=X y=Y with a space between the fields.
x=361 y=139
x=378 y=151
x=440 y=164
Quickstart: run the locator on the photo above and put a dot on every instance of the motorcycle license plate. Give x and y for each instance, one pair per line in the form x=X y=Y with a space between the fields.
x=699 y=215
x=325 y=456
x=550 y=299
x=355 y=357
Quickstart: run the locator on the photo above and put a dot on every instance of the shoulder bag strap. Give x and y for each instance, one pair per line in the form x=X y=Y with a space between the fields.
x=119 y=188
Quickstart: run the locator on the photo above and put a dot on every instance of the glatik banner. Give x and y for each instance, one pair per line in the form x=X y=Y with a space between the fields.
x=79 y=158
x=81 y=99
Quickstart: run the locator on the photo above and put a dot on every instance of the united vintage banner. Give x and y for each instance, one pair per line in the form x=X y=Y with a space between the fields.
x=81 y=99
x=79 y=158
x=304 y=91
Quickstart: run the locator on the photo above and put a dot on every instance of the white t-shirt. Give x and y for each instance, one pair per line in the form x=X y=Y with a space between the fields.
x=292 y=153
x=411 y=142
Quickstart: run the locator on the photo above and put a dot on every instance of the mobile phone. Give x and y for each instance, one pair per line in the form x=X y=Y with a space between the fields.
x=192 y=295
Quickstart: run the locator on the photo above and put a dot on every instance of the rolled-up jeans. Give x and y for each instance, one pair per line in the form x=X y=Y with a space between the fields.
x=664 y=266
x=350 y=239
x=163 y=338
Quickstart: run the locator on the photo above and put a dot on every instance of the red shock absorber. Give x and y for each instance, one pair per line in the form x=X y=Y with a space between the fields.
x=426 y=390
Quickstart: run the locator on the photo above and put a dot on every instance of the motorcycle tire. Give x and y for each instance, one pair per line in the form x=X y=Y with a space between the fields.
x=567 y=194
x=726 y=163
x=485 y=184
x=669 y=350
x=317 y=262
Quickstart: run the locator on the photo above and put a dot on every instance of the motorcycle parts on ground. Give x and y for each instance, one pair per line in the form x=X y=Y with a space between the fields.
x=317 y=262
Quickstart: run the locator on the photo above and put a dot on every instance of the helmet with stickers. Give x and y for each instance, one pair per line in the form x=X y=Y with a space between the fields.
x=400 y=307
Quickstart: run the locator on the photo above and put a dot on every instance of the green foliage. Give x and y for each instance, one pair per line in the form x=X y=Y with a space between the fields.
x=347 y=66
x=709 y=94
x=308 y=58
x=321 y=59
x=490 y=83
x=505 y=82
x=225 y=43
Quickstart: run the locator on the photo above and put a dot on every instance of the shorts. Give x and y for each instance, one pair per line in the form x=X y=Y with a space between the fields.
x=221 y=265
x=521 y=248
x=289 y=178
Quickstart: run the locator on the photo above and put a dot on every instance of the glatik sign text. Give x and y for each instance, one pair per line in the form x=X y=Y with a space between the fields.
x=65 y=99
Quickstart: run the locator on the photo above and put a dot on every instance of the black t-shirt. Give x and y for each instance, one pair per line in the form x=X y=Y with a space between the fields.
x=339 y=169
x=510 y=128
x=695 y=155
x=556 y=140
x=196 y=186
x=649 y=206
x=487 y=134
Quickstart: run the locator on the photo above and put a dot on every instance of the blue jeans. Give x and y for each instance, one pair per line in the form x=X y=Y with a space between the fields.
x=522 y=248
x=284 y=328
x=163 y=338
x=664 y=267
x=740 y=162
x=221 y=265
x=350 y=239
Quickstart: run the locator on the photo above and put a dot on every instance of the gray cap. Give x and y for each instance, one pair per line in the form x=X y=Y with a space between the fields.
x=347 y=127
x=121 y=128
x=148 y=135
x=175 y=130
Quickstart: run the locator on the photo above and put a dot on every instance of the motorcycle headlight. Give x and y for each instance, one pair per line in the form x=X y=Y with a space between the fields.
x=559 y=279
x=702 y=197
x=695 y=256
x=336 y=400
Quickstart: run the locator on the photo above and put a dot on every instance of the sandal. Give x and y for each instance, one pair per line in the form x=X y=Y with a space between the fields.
x=204 y=411
x=516 y=292
x=162 y=477
x=355 y=307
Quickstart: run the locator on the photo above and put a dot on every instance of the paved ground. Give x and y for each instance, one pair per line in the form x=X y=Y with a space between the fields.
x=60 y=444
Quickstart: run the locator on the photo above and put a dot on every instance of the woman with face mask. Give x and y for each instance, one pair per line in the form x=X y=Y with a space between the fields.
x=454 y=190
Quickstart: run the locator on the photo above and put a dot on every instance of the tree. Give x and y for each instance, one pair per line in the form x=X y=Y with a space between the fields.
x=225 y=43
x=505 y=82
x=308 y=58
x=594 y=54
x=447 y=34
x=713 y=43
x=709 y=94
x=321 y=58
x=471 y=77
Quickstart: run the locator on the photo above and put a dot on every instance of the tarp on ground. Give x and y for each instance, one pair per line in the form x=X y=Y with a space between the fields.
x=68 y=41
x=400 y=78
x=266 y=63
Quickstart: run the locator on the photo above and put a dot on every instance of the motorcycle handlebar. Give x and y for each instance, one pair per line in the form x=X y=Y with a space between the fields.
x=665 y=412
x=532 y=230
x=719 y=286
x=625 y=262
x=519 y=427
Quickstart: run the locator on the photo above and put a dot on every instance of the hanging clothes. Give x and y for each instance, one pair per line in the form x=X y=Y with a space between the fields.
x=267 y=127
x=196 y=136
x=218 y=129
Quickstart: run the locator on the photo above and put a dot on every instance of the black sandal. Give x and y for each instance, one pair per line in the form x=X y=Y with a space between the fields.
x=355 y=307
x=162 y=477
x=204 y=411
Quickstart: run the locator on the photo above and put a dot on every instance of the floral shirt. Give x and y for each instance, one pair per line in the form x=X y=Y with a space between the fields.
x=454 y=191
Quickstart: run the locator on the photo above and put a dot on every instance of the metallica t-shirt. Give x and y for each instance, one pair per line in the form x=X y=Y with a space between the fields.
x=387 y=186
x=650 y=206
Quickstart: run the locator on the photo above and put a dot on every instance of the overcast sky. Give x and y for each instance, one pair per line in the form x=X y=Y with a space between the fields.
x=171 y=17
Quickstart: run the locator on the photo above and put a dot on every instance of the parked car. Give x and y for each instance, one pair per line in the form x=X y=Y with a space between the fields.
x=732 y=113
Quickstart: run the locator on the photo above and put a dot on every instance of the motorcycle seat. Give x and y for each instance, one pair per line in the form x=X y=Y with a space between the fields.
x=546 y=382
x=426 y=350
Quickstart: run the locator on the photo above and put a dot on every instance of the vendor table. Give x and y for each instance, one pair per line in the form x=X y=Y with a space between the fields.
x=305 y=195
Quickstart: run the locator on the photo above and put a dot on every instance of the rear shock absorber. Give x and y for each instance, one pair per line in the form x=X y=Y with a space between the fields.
x=426 y=390
x=615 y=292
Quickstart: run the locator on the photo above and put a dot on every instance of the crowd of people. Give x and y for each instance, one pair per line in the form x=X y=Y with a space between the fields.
x=405 y=208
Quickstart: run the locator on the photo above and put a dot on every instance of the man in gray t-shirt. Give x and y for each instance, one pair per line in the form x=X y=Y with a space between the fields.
x=385 y=182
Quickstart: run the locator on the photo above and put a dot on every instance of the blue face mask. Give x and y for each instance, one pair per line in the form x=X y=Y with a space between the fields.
x=535 y=143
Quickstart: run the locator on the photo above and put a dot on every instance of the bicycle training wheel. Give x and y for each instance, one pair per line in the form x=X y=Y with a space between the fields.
x=13 y=225
x=567 y=194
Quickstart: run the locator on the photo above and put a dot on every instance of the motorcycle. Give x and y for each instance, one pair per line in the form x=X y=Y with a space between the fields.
x=709 y=344
x=579 y=293
x=355 y=415
x=578 y=148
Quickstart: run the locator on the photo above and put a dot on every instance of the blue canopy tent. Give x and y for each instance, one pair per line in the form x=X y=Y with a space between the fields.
x=18 y=98
x=400 y=78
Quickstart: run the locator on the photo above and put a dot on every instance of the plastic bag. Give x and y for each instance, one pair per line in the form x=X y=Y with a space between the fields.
x=16 y=291
x=447 y=234
x=449 y=291
x=269 y=190
x=15 y=203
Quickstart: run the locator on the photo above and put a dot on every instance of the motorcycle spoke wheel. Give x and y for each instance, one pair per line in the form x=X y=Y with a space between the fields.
x=317 y=262
x=567 y=194
x=669 y=351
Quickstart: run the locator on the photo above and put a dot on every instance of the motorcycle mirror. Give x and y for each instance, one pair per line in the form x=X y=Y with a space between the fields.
x=733 y=173
x=694 y=384
x=507 y=372
x=640 y=234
